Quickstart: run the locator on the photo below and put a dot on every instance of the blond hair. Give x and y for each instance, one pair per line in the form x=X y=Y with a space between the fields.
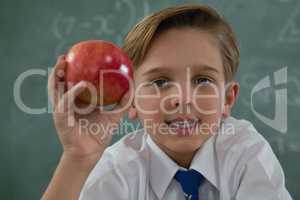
x=139 y=39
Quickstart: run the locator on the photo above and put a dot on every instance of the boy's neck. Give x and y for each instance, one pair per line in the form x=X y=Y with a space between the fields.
x=183 y=159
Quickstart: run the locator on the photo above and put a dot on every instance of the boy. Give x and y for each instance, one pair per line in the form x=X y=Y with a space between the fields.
x=189 y=148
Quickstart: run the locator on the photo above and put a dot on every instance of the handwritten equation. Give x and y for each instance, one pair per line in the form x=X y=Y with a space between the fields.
x=290 y=32
x=109 y=26
x=284 y=145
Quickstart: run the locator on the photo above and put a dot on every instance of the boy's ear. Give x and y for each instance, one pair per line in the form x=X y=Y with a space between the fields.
x=230 y=97
x=132 y=112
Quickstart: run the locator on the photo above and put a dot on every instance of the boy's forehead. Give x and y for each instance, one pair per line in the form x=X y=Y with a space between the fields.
x=171 y=68
x=176 y=51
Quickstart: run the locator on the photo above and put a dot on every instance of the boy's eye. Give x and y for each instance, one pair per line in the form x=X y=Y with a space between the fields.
x=160 y=83
x=202 y=81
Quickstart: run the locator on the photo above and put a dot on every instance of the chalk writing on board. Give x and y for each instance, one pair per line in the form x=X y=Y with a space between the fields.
x=68 y=29
x=248 y=80
x=290 y=32
x=283 y=144
x=294 y=84
x=266 y=98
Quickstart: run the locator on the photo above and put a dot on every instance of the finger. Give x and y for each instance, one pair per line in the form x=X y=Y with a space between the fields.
x=59 y=69
x=120 y=108
x=67 y=102
x=126 y=100
x=132 y=113
x=59 y=77
x=51 y=87
x=55 y=81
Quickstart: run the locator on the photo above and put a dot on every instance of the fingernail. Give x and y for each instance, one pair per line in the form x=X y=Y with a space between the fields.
x=83 y=83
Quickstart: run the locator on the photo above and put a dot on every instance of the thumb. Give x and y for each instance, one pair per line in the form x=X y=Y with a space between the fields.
x=126 y=100
x=67 y=101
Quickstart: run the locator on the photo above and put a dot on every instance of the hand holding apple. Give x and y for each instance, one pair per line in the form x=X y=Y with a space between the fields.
x=74 y=129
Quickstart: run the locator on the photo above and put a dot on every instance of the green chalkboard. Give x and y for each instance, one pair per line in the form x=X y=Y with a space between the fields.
x=33 y=33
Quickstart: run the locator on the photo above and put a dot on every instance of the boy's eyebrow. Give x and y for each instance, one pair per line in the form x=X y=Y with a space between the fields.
x=156 y=70
x=202 y=67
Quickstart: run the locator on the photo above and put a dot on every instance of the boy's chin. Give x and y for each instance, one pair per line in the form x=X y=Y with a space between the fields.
x=180 y=143
x=185 y=144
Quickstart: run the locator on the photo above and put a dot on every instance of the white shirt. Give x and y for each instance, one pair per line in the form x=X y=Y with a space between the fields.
x=240 y=166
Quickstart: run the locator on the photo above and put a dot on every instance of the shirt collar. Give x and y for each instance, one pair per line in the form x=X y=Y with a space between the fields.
x=204 y=161
x=162 y=169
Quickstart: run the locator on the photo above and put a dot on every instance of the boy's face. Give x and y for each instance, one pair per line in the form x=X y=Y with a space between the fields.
x=180 y=89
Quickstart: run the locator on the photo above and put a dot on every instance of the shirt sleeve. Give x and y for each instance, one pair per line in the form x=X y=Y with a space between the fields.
x=109 y=187
x=262 y=177
x=105 y=182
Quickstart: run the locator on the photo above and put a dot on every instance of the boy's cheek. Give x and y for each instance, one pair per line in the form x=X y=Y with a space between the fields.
x=153 y=124
x=147 y=106
x=206 y=107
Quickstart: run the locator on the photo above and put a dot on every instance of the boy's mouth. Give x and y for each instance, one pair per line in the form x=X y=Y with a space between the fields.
x=183 y=126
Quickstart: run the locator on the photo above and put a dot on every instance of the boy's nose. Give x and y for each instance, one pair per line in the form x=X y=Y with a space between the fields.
x=175 y=102
x=182 y=100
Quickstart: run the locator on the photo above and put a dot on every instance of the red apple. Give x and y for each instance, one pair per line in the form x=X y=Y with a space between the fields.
x=91 y=60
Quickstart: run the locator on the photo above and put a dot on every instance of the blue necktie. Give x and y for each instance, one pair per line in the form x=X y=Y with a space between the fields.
x=190 y=182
